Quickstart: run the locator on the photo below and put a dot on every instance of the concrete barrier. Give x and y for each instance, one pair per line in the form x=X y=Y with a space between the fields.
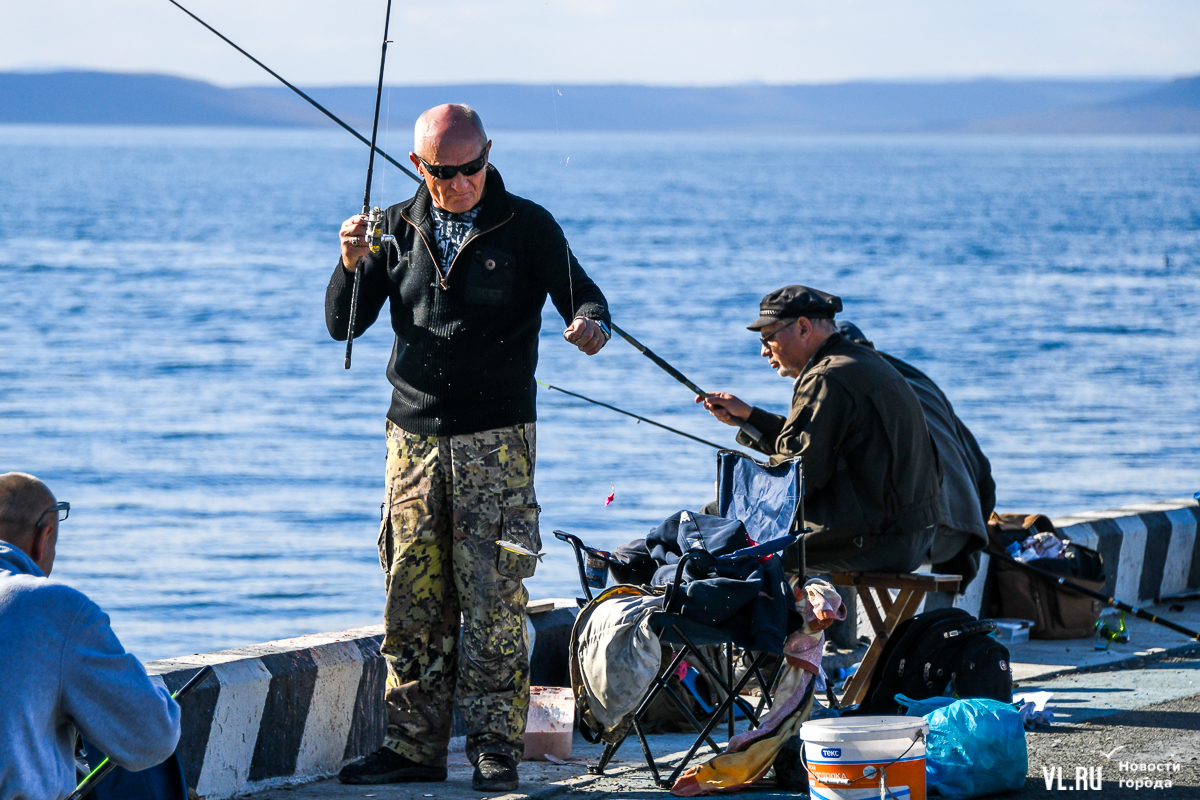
x=1149 y=550
x=296 y=709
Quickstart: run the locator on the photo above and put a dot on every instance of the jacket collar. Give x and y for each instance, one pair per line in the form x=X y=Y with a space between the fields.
x=822 y=351
x=493 y=208
x=14 y=560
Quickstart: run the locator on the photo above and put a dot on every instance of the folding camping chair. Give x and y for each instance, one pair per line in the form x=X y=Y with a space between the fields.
x=769 y=502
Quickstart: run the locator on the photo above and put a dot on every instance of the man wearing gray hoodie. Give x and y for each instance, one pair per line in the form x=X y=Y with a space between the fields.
x=62 y=669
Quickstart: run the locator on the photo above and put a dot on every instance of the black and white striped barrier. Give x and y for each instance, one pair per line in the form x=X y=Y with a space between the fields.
x=296 y=709
x=1149 y=550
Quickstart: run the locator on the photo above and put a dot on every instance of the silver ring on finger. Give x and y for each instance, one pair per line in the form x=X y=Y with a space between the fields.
x=354 y=241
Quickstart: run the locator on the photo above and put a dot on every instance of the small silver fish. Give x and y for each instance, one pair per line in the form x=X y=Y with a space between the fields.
x=513 y=547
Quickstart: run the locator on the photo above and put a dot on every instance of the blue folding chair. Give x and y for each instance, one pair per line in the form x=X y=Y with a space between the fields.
x=769 y=501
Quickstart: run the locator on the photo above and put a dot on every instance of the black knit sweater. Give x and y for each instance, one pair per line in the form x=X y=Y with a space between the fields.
x=466 y=345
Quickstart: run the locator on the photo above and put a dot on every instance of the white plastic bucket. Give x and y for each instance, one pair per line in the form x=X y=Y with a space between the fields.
x=849 y=757
x=551 y=724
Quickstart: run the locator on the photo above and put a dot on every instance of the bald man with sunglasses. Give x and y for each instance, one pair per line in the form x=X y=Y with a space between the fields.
x=465 y=280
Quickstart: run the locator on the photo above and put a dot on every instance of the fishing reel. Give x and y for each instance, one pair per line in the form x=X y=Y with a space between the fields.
x=375 y=230
x=1106 y=633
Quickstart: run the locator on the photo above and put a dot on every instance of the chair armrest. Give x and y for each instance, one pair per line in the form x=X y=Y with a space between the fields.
x=579 y=547
x=673 y=603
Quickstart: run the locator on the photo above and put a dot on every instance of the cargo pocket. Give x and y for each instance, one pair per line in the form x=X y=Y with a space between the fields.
x=520 y=525
x=384 y=542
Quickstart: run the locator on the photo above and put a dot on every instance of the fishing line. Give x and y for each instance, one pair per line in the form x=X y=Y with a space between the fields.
x=374 y=215
x=640 y=418
x=311 y=102
x=558 y=138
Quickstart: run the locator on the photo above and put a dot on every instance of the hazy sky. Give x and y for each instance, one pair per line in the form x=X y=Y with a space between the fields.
x=679 y=42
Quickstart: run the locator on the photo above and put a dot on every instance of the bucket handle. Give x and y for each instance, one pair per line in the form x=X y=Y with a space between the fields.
x=884 y=791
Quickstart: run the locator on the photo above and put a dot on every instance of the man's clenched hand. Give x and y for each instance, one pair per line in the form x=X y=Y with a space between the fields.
x=586 y=334
x=726 y=407
x=354 y=241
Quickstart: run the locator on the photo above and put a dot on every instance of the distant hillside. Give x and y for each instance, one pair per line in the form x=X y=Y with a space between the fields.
x=102 y=98
x=991 y=106
x=1173 y=108
x=844 y=107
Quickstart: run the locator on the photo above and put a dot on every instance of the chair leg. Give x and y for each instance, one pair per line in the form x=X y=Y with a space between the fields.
x=637 y=726
x=768 y=687
x=655 y=687
x=729 y=680
x=610 y=750
x=903 y=607
x=730 y=698
x=717 y=678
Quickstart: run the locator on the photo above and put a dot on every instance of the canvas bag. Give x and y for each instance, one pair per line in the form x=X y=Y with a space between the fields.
x=1056 y=612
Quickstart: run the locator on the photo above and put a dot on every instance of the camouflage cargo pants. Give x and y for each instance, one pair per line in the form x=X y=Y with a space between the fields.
x=449 y=500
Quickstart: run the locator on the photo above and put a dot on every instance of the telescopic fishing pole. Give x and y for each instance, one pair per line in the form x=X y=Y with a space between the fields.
x=752 y=432
x=374 y=215
x=1111 y=601
x=106 y=766
x=638 y=417
x=311 y=102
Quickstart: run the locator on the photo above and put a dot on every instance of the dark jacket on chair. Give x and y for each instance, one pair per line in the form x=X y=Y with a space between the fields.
x=871 y=474
x=749 y=600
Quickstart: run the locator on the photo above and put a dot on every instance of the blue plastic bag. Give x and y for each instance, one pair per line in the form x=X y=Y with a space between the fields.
x=975 y=747
x=919 y=708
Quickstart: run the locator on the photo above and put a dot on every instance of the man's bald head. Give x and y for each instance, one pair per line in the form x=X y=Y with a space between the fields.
x=448 y=125
x=23 y=498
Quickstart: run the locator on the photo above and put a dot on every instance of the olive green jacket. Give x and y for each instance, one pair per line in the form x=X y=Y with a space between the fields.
x=871 y=473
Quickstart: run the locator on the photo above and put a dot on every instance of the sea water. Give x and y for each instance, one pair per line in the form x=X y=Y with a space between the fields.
x=164 y=363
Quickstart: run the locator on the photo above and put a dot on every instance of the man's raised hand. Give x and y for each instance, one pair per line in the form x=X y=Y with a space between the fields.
x=586 y=334
x=354 y=241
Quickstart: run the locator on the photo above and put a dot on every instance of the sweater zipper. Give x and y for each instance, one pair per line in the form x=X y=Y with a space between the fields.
x=443 y=278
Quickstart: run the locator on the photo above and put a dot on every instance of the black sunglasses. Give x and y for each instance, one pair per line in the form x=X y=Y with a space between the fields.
x=770 y=337
x=445 y=172
x=62 y=509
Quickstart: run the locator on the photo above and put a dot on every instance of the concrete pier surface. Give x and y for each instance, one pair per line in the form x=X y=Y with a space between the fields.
x=1135 y=705
x=1136 y=717
x=294 y=711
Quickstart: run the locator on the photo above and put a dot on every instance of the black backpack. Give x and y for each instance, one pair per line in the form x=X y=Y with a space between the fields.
x=941 y=652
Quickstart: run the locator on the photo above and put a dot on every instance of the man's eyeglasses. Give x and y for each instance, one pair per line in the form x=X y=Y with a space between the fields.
x=63 y=510
x=445 y=172
x=770 y=337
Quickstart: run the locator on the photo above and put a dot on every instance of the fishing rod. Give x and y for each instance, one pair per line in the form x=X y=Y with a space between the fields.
x=106 y=766
x=1117 y=604
x=374 y=215
x=752 y=432
x=636 y=416
x=312 y=102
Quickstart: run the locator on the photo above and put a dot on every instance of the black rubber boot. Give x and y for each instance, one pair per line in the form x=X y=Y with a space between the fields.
x=495 y=773
x=388 y=766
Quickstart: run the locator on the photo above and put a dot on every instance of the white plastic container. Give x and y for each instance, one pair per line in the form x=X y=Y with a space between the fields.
x=849 y=757
x=1012 y=631
x=551 y=725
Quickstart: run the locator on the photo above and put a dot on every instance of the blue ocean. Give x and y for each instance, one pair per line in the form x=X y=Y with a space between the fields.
x=164 y=363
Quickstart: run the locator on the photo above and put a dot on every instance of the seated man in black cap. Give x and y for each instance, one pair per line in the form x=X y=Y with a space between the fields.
x=871 y=475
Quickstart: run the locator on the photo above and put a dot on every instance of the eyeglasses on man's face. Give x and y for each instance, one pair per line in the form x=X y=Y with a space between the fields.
x=444 y=172
x=770 y=337
x=61 y=509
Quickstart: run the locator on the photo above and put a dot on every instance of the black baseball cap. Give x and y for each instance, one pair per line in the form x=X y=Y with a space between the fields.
x=795 y=301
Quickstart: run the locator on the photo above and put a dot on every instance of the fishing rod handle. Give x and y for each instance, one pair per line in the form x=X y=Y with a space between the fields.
x=106 y=766
x=192 y=683
x=358 y=270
